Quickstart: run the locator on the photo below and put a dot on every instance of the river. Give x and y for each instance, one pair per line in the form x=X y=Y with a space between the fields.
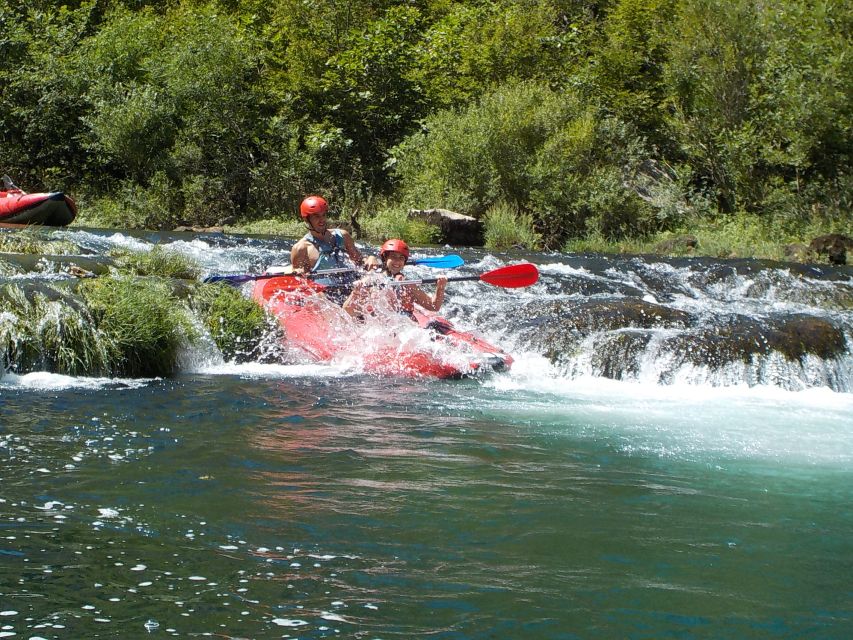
x=301 y=500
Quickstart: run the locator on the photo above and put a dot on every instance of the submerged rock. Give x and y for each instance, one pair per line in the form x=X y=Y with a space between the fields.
x=619 y=337
x=742 y=339
x=558 y=327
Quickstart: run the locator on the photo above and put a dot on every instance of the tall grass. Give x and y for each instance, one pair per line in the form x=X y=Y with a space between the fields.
x=507 y=228
x=733 y=236
x=143 y=324
x=34 y=240
x=158 y=262
x=236 y=324
x=46 y=330
x=288 y=228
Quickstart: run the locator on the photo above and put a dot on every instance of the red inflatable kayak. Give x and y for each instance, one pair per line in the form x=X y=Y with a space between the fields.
x=53 y=209
x=432 y=348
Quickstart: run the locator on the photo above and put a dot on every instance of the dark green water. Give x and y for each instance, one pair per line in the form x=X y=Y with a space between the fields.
x=317 y=506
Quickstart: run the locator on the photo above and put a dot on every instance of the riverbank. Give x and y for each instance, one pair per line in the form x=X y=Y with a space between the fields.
x=737 y=236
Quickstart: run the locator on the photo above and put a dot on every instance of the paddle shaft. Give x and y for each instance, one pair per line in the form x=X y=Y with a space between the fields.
x=251 y=277
x=433 y=280
x=437 y=262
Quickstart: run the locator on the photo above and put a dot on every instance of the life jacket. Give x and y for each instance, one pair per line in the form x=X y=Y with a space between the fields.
x=332 y=254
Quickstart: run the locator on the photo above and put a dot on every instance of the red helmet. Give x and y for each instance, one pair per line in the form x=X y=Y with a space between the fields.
x=394 y=245
x=312 y=205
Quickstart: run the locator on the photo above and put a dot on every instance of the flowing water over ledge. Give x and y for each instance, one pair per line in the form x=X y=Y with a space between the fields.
x=673 y=498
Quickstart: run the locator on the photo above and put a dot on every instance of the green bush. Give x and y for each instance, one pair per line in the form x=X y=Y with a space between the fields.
x=394 y=222
x=173 y=111
x=134 y=206
x=536 y=150
x=468 y=159
x=507 y=228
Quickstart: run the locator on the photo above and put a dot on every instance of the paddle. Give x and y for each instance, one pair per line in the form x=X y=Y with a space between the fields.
x=512 y=276
x=249 y=277
x=439 y=262
x=436 y=262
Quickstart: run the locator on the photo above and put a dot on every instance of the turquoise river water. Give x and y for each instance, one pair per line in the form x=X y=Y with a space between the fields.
x=283 y=502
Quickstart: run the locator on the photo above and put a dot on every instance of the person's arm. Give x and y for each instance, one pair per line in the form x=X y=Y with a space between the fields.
x=299 y=258
x=422 y=299
x=354 y=304
x=350 y=248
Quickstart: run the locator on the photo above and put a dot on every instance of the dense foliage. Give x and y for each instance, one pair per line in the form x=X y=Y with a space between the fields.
x=611 y=118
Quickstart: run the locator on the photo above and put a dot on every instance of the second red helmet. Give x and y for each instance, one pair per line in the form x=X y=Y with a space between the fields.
x=312 y=205
x=394 y=245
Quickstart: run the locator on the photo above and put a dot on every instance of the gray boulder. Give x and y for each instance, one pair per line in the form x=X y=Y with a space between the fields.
x=456 y=229
x=833 y=245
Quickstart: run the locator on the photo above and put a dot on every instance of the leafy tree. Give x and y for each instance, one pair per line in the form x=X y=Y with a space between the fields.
x=175 y=95
x=803 y=108
x=536 y=150
x=627 y=63
x=716 y=51
x=39 y=107
x=474 y=47
x=760 y=98
x=367 y=90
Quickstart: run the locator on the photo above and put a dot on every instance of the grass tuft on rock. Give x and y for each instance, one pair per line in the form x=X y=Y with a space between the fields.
x=157 y=262
x=287 y=228
x=237 y=324
x=48 y=330
x=144 y=326
x=35 y=241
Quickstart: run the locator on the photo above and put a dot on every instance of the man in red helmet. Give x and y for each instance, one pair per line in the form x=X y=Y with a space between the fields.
x=322 y=248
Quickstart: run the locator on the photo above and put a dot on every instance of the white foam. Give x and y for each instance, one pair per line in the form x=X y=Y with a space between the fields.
x=697 y=422
x=256 y=370
x=44 y=381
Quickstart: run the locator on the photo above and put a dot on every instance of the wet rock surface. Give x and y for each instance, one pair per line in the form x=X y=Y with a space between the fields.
x=456 y=229
x=653 y=317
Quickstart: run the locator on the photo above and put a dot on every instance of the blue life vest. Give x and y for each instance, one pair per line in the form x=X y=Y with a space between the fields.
x=332 y=254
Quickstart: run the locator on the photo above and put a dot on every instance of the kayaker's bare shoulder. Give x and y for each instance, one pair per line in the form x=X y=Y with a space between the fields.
x=301 y=257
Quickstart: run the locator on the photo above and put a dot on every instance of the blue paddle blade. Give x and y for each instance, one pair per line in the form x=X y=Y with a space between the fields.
x=436 y=262
x=440 y=262
x=230 y=279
